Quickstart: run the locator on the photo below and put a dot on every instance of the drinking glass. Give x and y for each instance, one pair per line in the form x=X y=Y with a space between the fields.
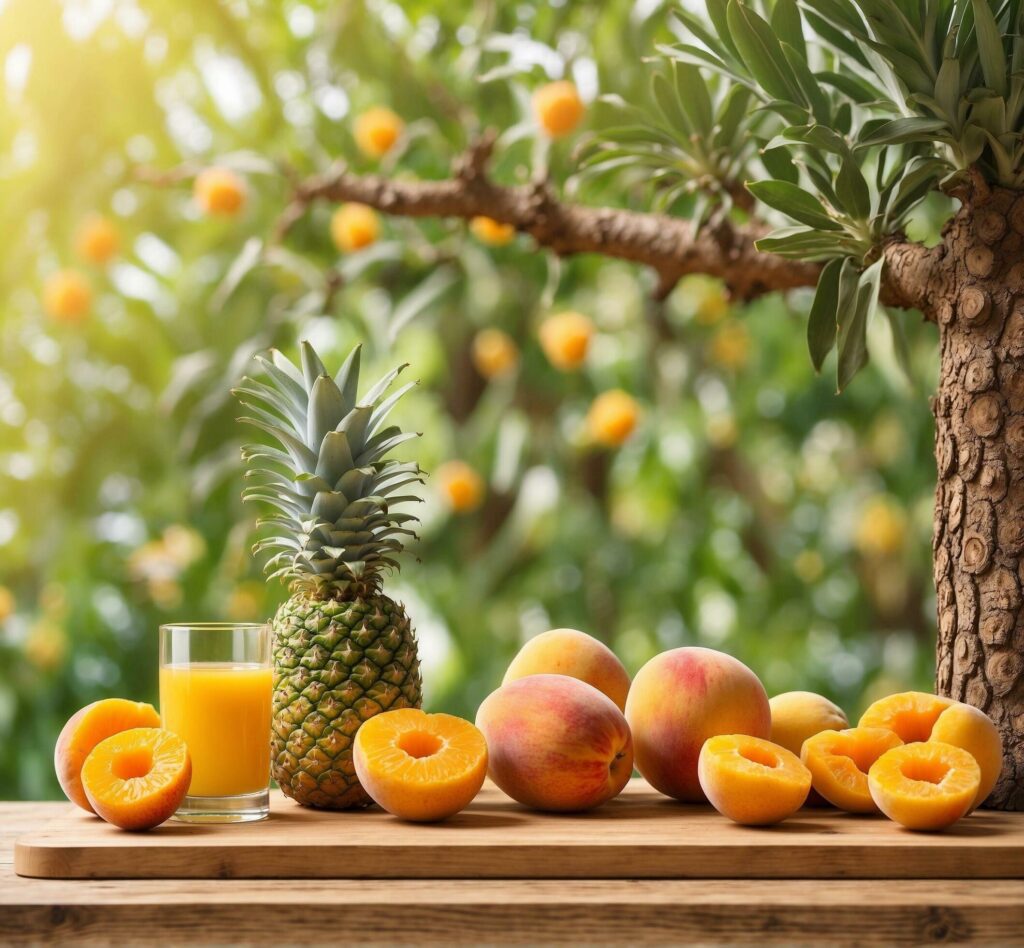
x=215 y=690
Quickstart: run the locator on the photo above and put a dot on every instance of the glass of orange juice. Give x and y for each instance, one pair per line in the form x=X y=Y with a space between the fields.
x=215 y=690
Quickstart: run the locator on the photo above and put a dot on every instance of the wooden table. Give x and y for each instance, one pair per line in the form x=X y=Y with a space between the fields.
x=639 y=870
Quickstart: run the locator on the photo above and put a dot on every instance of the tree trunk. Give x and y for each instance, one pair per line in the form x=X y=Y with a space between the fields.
x=977 y=298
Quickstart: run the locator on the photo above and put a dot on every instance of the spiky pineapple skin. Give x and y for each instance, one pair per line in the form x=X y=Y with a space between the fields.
x=337 y=662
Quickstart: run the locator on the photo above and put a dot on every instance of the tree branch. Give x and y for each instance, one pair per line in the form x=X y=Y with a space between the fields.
x=670 y=246
x=673 y=248
x=913 y=277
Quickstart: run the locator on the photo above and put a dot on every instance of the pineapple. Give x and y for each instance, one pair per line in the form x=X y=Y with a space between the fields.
x=343 y=651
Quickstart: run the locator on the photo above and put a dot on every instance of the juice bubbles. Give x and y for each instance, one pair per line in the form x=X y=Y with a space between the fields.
x=222 y=712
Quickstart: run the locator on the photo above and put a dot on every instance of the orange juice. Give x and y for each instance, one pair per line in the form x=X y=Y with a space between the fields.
x=222 y=712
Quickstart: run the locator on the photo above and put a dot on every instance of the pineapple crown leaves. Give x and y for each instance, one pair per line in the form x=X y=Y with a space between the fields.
x=332 y=490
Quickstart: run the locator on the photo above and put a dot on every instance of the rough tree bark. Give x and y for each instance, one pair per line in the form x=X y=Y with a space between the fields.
x=979 y=448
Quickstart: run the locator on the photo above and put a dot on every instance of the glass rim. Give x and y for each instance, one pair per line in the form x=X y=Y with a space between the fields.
x=213 y=626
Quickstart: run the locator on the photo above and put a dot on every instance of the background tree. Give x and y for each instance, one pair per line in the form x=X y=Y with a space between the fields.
x=860 y=122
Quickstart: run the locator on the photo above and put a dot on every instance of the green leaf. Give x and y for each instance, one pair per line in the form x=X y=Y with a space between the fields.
x=808 y=84
x=794 y=201
x=947 y=89
x=802 y=243
x=990 y=46
x=692 y=93
x=760 y=51
x=668 y=105
x=821 y=323
x=787 y=24
x=852 y=190
x=837 y=38
x=900 y=345
x=852 y=86
x=920 y=176
x=897 y=131
x=779 y=165
x=817 y=136
x=843 y=119
x=732 y=115
x=857 y=299
x=718 y=14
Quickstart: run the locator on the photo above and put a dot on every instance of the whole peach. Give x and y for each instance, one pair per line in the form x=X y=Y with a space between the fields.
x=798 y=715
x=576 y=654
x=677 y=701
x=555 y=743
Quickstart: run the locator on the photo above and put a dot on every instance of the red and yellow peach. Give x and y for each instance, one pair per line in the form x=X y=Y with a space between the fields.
x=681 y=698
x=576 y=654
x=555 y=743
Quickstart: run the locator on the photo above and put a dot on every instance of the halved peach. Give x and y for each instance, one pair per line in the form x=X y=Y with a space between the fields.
x=137 y=778
x=839 y=762
x=911 y=714
x=85 y=729
x=918 y=716
x=420 y=766
x=751 y=780
x=926 y=785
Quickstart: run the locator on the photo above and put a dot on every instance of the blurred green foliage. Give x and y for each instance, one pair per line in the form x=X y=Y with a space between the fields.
x=753 y=510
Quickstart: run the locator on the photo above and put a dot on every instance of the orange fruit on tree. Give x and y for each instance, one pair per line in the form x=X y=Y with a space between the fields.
x=376 y=130
x=137 y=779
x=420 y=766
x=565 y=339
x=926 y=785
x=67 y=296
x=495 y=353
x=219 y=191
x=491 y=232
x=354 y=226
x=558 y=108
x=97 y=239
x=85 y=729
x=612 y=418
x=460 y=485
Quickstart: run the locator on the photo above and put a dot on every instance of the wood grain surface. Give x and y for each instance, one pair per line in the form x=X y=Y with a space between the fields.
x=641 y=835
x=475 y=911
x=489 y=911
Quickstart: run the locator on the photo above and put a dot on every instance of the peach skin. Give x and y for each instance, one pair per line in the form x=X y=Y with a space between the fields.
x=576 y=654
x=555 y=743
x=677 y=701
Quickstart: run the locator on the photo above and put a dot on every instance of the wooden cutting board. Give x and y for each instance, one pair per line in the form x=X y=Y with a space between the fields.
x=639 y=835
